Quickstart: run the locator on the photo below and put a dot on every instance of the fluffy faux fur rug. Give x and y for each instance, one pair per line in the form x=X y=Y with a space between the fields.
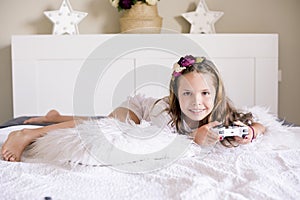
x=108 y=142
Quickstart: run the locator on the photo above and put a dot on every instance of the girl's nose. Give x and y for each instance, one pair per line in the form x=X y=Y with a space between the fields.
x=197 y=99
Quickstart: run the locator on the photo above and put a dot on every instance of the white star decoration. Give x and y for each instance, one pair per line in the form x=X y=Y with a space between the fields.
x=65 y=20
x=202 y=20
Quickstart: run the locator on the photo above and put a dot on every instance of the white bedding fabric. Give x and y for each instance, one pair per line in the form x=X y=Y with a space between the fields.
x=268 y=168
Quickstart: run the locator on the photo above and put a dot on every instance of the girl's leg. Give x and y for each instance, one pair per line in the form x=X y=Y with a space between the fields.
x=53 y=116
x=17 y=141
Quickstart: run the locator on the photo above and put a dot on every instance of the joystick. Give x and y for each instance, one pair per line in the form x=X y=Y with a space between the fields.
x=230 y=131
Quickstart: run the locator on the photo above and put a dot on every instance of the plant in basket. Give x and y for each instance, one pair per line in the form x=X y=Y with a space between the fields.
x=127 y=4
x=139 y=16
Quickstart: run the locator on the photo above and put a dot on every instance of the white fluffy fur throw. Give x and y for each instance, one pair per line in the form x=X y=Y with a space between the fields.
x=139 y=148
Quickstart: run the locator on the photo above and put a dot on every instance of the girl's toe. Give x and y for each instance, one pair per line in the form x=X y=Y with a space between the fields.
x=12 y=158
x=9 y=156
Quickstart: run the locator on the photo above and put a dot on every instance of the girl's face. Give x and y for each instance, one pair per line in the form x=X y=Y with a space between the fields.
x=196 y=95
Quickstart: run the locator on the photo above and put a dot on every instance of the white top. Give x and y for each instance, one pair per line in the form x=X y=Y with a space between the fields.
x=149 y=109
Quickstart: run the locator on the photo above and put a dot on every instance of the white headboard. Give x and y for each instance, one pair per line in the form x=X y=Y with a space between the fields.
x=92 y=74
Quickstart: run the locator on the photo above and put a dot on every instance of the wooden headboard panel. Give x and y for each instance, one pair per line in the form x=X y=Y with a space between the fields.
x=92 y=74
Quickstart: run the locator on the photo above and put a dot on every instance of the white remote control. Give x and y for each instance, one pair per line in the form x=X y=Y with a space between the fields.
x=229 y=131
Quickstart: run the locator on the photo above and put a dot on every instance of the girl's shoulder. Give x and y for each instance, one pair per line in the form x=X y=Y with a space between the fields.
x=159 y=113
x=141 y=98
x=144 y=106
x=149 y=102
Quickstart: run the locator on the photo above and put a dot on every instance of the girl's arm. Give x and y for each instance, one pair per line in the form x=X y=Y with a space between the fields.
x=258 y=129
x=123 y=114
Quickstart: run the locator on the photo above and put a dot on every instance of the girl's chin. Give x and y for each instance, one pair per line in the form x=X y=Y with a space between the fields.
x=194 y=119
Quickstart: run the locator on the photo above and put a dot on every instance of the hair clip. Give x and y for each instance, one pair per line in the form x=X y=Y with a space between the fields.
x=182 y=64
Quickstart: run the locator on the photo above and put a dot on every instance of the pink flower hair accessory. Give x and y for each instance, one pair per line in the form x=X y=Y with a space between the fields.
x=182 y=64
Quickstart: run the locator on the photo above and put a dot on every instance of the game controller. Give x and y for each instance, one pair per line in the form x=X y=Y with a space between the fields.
x=230 y=131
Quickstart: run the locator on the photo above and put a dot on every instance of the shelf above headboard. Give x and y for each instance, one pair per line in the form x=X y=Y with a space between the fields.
x=92 y=74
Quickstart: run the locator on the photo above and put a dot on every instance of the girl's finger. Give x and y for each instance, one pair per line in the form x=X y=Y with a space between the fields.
x=239 y=123
x=244 y=140
x=213 y=124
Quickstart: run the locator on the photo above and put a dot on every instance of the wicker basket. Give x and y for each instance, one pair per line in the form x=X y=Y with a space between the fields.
x=141 y=18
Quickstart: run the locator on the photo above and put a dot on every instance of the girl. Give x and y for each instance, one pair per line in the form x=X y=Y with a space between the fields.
x=196 y=103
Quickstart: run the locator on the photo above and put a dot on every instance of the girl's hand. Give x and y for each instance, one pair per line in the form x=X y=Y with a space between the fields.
x=205 y=136
x=247 y=139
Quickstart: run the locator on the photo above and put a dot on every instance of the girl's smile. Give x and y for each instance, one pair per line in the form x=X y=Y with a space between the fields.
x=197 y=111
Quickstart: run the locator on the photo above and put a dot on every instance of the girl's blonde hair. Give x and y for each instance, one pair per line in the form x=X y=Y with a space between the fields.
x=223 y=110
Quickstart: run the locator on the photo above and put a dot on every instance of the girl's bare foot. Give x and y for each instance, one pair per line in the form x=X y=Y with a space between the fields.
x=16 y=142
x=52 y=116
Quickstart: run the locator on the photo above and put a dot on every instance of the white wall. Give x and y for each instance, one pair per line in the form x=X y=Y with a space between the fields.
x=241 y=16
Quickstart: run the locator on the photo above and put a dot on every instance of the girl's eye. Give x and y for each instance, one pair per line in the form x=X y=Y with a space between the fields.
x=206 y=93
x=187 y=93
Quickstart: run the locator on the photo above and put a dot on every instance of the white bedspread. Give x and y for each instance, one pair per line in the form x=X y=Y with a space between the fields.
x=268 y=168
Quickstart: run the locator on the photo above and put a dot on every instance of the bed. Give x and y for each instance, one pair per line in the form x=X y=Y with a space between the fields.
x=55 y=72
